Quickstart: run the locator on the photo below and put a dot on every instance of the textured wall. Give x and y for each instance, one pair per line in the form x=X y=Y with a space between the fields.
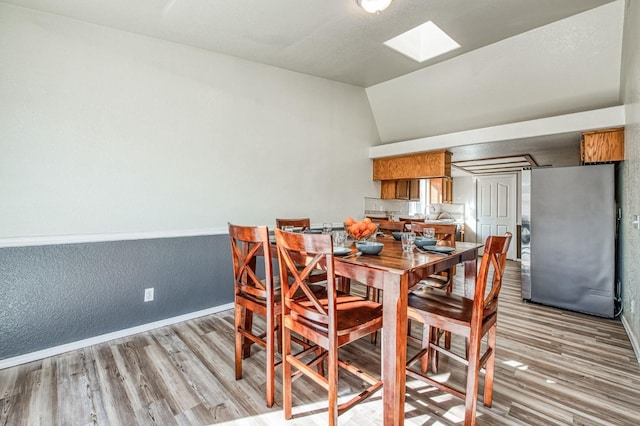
x=52 y=295
x=105 y=131
x=629 y=182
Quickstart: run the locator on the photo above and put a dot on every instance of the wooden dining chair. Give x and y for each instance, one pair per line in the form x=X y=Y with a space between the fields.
x=328 y=320
x=389 y=226
x=446 y=235
x=254 y=292
x=471 y=318
x=304 y=223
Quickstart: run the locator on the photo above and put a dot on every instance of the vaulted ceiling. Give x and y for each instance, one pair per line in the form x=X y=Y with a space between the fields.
x=332 y=39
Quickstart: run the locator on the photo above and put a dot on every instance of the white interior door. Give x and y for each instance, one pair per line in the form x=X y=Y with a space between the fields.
x=497 y=208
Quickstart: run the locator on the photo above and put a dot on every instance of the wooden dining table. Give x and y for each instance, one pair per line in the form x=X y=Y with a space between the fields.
x=394 y=272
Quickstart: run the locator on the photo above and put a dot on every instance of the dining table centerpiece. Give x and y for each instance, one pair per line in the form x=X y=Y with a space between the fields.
x=360 y=230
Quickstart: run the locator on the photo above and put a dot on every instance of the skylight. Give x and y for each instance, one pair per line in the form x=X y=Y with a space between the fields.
x=423 y=42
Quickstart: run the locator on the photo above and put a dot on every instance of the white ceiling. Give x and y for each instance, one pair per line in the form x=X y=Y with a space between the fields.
x=332 y=39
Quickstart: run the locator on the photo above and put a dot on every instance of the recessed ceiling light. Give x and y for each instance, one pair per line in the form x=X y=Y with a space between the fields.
x=423 y=42
x=373 y=6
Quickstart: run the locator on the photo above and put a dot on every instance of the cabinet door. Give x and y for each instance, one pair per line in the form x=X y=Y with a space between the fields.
x=388 y=189
x=414 y=190
x=441 y=190
x=402 y=189
x=447 y=193
x=602 y=146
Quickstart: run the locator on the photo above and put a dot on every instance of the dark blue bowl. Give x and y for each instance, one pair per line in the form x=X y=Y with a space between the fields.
x=425 y=242
x=369 y=247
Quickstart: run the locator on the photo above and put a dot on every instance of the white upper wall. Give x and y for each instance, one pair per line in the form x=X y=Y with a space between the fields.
x=569 y=66
x=105 y=131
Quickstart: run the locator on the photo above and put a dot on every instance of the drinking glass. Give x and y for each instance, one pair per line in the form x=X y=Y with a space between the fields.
x=407 y=239
x=429 y=233
x=327 y=228
x=339 y=237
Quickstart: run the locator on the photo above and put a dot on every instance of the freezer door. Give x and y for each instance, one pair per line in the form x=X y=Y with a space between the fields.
x=573 y=238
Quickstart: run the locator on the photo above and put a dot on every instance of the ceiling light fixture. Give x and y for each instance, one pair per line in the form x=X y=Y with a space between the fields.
x=374 y=6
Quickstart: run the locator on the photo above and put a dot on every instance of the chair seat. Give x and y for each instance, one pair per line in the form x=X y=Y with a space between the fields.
x=452 y=306
x=354 y=312
x=439 y=303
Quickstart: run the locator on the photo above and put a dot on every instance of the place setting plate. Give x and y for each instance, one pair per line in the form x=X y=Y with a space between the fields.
x=438 y=249
x=341 y=251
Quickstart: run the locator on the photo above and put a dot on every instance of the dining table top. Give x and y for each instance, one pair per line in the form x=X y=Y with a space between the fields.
x=394 y=259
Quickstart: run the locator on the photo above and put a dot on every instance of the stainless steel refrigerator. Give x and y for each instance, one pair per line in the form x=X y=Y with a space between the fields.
x=568 y=238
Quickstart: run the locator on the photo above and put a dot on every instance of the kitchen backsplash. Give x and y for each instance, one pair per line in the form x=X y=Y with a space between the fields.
x=453 y=211
x=393 y=209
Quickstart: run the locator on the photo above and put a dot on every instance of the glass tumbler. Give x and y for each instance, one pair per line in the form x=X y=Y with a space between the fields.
x=339 y=237
x=429 y=233
x=407 y=239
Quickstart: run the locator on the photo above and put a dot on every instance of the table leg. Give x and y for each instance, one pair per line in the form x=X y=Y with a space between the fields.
x=394 y=347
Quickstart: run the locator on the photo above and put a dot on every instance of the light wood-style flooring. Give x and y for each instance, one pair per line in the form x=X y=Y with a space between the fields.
x=553 y=367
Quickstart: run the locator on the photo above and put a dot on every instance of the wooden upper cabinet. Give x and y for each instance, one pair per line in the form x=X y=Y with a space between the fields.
x=413 y=166
x=403 y=189
x=441 y=190
x=408 y=189
x=602 y=146
x=388 y=189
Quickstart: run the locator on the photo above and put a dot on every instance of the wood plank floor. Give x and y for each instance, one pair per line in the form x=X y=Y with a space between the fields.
x=553 y=367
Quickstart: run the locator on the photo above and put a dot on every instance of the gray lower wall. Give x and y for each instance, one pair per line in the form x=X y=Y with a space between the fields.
x=56 y=294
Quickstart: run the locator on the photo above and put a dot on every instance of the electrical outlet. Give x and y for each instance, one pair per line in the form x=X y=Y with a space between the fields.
x=148 y=294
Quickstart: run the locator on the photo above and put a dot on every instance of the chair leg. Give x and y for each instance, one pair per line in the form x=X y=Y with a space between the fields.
x=332 y=365
x=344 y=285
x=286 y=373
x=238 y=324
x=270 y=361
x=473 y=373
x=426 y=339
x=490 y=367
x=447 y=334
x=434 y=356
x=375 y=296
x=279 y=333
x=248 y=326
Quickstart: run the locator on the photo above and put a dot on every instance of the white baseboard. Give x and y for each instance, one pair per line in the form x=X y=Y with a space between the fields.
x=635 y=344
x=57 y=350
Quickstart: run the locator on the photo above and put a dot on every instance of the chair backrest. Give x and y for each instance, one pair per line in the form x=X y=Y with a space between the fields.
x=248 y=243
x=391 y=226
x=313 y=251
x=304 y=223
x=494 y=259
x=443 y=232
